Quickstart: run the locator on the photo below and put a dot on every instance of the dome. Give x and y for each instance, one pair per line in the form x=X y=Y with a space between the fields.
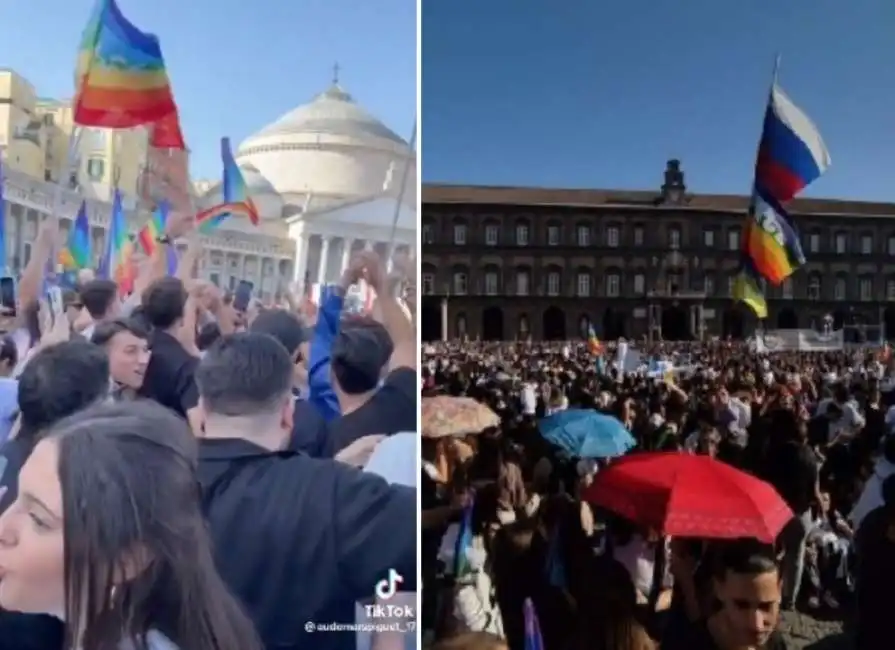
x=330 y=146
x=333 y=112
x=261 y=191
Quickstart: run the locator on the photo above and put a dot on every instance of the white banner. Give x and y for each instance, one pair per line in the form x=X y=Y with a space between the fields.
x=797 y=340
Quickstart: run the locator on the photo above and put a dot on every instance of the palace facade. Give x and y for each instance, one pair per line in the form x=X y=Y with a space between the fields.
x=500 y=263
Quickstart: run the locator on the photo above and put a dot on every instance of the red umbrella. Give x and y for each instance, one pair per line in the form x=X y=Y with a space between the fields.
x=689 y=496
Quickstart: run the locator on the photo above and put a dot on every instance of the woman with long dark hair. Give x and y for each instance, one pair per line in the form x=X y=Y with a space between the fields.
x=107 y=534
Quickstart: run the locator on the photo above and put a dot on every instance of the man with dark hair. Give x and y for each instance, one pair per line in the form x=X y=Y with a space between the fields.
x=363 y=353
x=309 y=431
x=875 y=551
x=169 y=377
x=285 y=327
x=58 y=381
x=746 y=590
x=126 y=342
x=323 y=534
x=100 y=299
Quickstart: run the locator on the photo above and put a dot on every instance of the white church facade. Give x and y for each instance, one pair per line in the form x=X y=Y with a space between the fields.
x=327 y=178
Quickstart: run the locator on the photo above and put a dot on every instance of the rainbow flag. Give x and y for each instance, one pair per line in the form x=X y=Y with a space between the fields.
x=77 y=254
x=791 y=156
x=462 y=566
x=236 y=199
x=117 y=261
x=152 y=230
x=120 y=80
x=533 y=639
x=593 y=343
x=173 y=259
x=167 y=134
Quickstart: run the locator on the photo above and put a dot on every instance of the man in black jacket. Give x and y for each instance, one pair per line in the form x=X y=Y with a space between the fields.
x=298 y=540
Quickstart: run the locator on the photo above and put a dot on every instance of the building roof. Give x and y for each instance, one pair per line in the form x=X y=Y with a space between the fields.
x=434 y=193
x=332 y=112
x=330 y=147
x=377 y=210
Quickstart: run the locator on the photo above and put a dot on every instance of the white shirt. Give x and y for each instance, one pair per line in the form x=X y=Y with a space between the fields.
x=529 y=400
x=394 y=459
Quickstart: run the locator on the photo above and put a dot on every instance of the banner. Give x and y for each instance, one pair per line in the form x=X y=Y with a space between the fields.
x=797 y=340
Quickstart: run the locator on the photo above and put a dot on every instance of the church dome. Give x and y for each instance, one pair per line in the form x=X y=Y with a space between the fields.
x=330 y=147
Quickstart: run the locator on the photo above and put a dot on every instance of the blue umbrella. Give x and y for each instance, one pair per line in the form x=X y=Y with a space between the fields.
x=584 y=433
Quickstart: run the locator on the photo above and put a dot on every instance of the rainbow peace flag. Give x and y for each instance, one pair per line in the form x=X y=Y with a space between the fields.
x=462 y=565
x=77 y=253
x=593 y=343
x=236 y=199
x=173 y=259
x=117 y=261
x=120 y=77
x=152 y=230
x=791 y=156
x=167 y=134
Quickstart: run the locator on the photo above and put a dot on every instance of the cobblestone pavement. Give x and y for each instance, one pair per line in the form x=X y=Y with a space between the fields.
x=804 y=632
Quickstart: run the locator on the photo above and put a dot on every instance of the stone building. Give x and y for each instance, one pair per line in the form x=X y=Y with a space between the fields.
x=327 y=178
x=501 y=263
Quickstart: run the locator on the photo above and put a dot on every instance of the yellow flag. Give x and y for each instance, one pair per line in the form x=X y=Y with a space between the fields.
x=745 y=290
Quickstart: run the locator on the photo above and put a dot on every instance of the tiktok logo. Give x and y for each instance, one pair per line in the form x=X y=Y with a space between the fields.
x=388 y=587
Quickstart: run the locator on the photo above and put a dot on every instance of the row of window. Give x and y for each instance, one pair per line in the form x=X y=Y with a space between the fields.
x=612 y=238
x=585 y=286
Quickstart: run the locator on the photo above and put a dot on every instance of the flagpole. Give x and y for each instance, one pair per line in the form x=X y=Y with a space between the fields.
x=72 y=160
x=775 y=73
x=402 y=190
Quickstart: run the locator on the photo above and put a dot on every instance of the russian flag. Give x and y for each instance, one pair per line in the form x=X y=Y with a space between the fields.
x=791 y=153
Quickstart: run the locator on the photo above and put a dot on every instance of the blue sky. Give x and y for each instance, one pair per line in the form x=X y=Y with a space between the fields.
x=580 y=93
x=236 y=66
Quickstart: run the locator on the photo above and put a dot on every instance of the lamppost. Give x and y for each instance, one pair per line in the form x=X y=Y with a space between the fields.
x=444 y=311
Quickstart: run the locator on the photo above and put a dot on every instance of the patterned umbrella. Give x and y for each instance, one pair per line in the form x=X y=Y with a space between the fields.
x=445 y=416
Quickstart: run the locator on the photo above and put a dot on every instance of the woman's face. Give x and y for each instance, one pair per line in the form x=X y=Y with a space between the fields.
x=31 y=539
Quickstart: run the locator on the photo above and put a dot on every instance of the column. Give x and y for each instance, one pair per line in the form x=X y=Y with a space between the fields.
x=347 y=243
x=324 y=255
x=444 y=319
x=300 y=263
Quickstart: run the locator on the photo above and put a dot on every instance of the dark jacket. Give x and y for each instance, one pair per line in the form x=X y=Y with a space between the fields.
x=299 y=540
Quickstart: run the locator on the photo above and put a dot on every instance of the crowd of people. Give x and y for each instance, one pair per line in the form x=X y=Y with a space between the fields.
x=177 y=473
x=547 y=549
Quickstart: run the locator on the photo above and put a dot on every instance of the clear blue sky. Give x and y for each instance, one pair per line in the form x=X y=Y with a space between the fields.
x=599 y=94
x=235 y=66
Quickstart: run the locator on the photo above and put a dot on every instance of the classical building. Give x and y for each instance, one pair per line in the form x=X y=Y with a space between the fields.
x=331 y=179
x=328 y=178
x=36 y=139
x=505 y=263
